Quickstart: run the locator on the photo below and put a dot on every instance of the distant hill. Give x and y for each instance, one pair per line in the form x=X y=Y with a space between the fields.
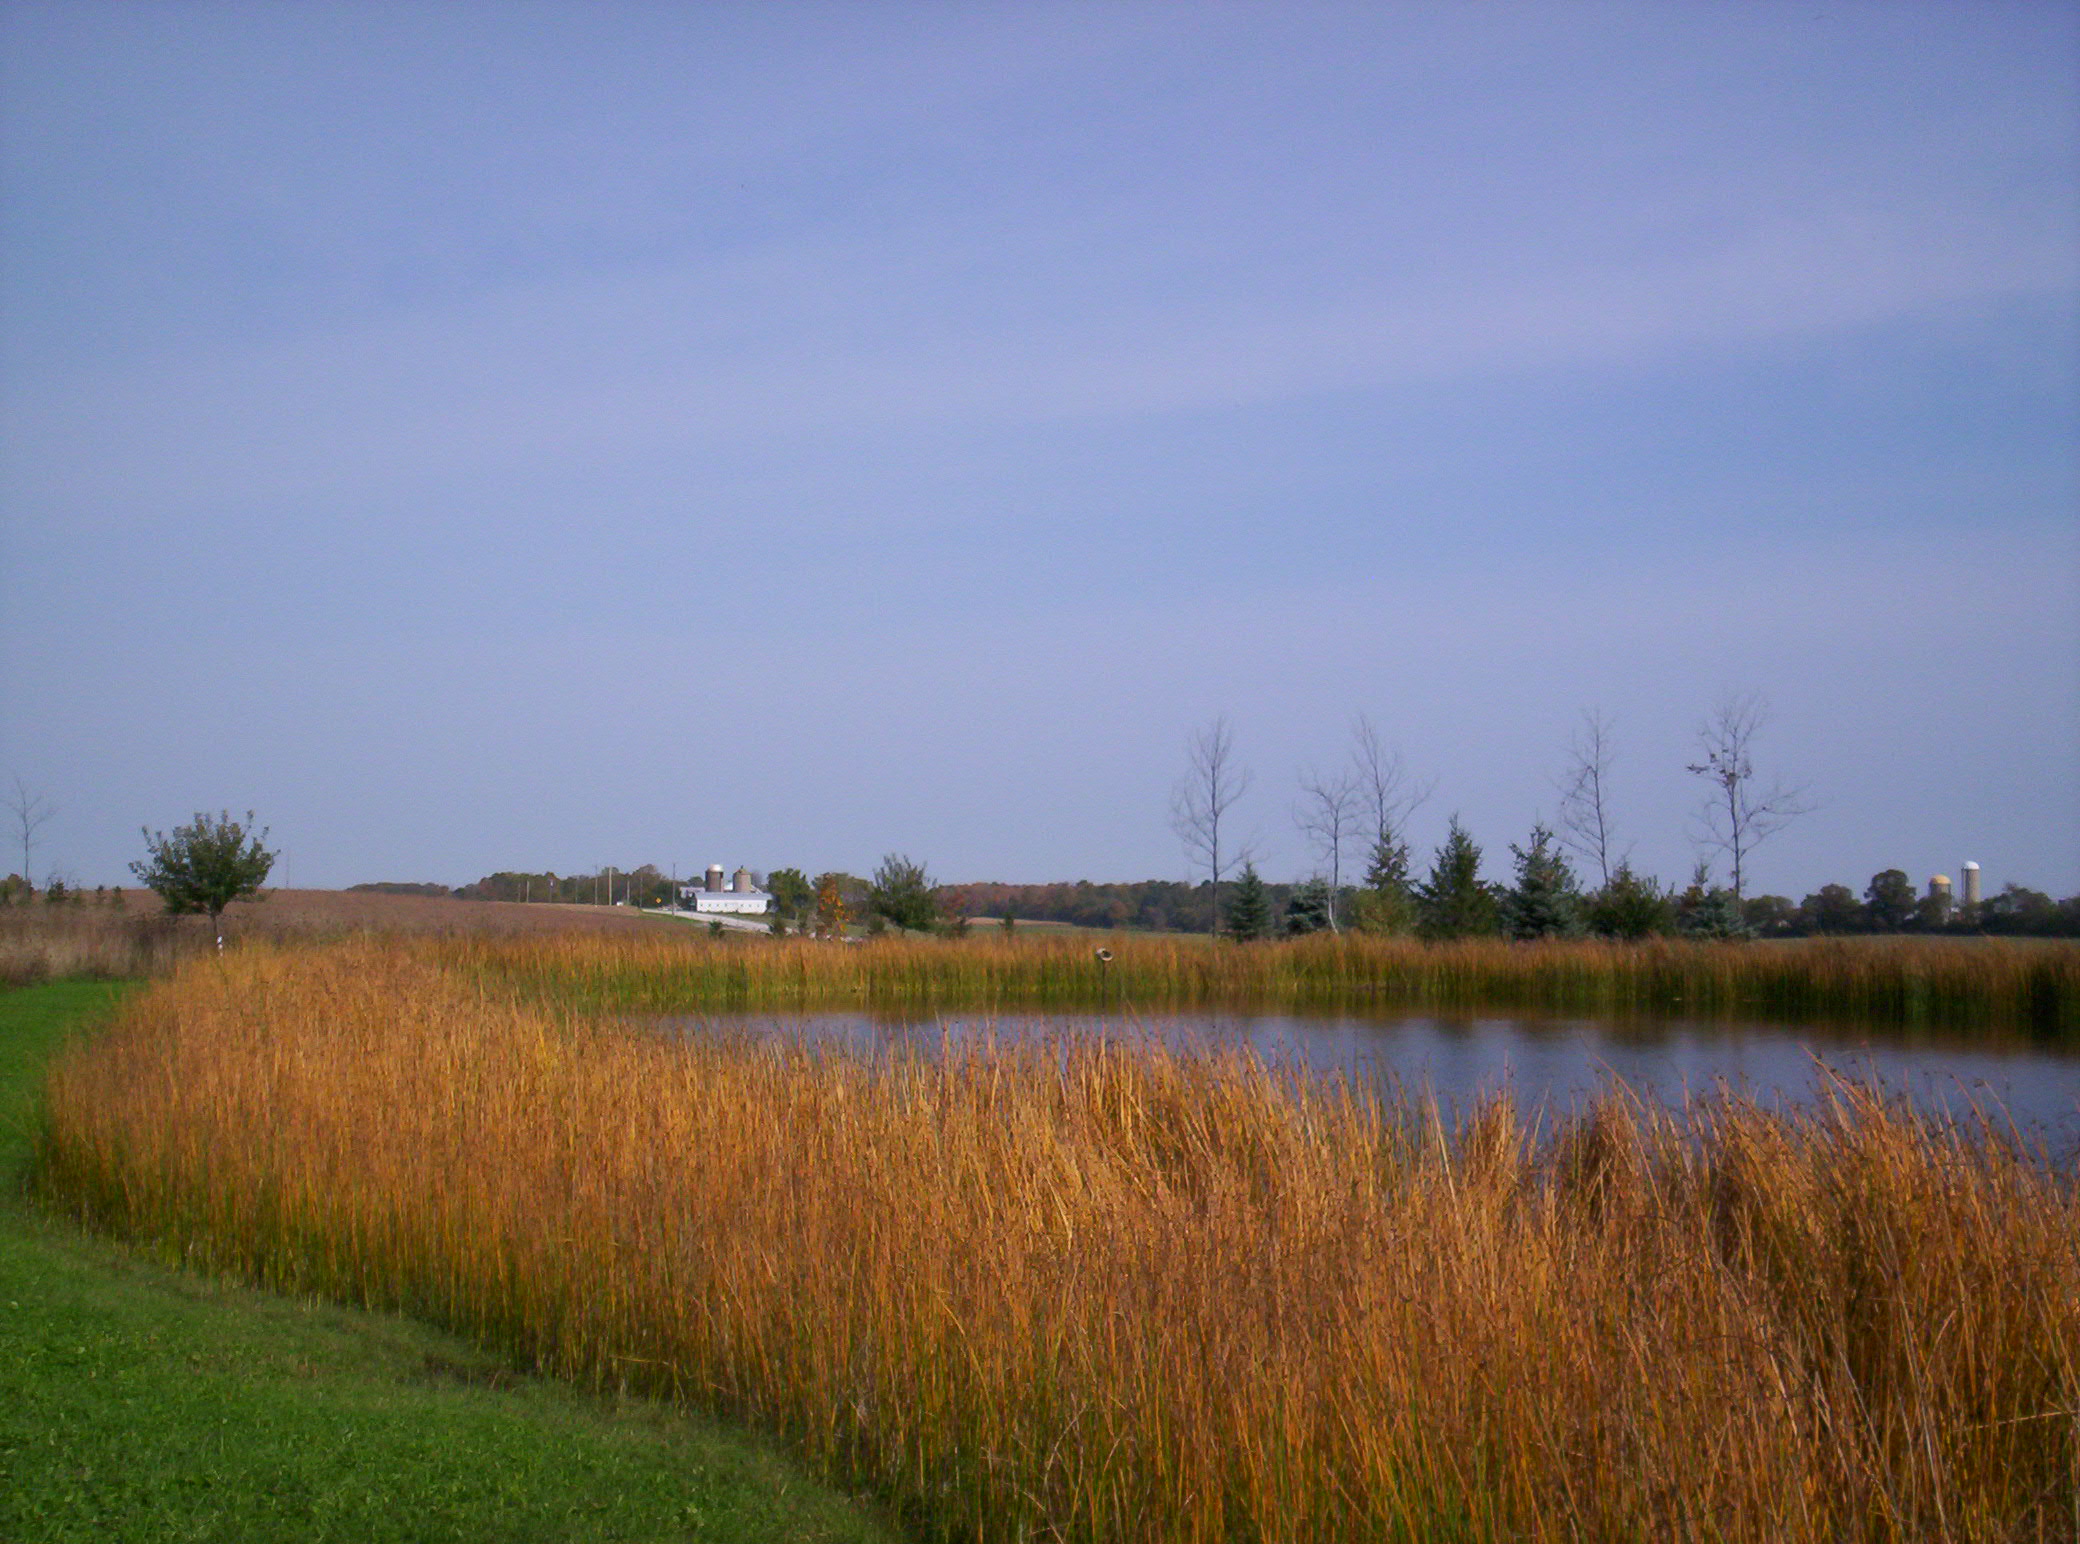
x=394 y=887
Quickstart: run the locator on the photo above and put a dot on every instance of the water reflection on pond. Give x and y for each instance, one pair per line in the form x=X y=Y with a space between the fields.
x=1540 y=1060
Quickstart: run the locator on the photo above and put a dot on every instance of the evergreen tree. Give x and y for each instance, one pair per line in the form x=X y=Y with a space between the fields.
x=1453 y=902
x=1386 y=905
x=1308 y=909
x=1630 y=906
x=1545 y=901
x=1706 y=910
x=1249 y=908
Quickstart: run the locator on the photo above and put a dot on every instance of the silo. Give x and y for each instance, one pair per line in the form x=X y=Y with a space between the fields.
x=714 y=876
x=741 y=882
x=1971 y=884
x=1939 y=895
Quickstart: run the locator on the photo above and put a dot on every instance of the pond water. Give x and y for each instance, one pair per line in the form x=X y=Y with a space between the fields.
x=1550 y=1061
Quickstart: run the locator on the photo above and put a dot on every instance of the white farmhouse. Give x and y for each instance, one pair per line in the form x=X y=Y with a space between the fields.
x=742 y=897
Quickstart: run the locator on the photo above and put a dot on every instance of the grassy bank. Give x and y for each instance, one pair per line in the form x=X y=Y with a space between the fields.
x=141 y=1402
x=1075 y=1292
x=2030 y=986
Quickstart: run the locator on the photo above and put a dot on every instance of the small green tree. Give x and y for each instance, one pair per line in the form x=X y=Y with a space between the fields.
x=1307 y=910
x=902 y=895
x=1545 y=902
x=206 y=866
x=1706 y=910
x=1386 y=905
x=1630 y=906
x=1453 y=902
x=1249 y=908
x=792 y=893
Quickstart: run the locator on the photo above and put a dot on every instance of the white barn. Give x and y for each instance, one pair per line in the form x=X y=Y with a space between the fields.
x=741 y=897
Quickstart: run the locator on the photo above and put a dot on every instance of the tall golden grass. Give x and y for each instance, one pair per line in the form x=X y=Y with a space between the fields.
x=1077 y=1291
x=133 y=936
x=2030 y=984
x=49 y=943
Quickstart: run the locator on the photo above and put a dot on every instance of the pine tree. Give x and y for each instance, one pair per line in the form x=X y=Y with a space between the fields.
x=1307 y=911
x=1386 y=906
x=1545 y=901
x=1453 y=902
x=1630 y=906
x=1706 y=910
x=1249 y=908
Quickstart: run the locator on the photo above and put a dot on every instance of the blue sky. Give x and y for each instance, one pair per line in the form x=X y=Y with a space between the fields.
x=551 y=435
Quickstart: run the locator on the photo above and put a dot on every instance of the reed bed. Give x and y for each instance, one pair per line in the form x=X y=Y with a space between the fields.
x=1080 y=1291
x=2032 y=986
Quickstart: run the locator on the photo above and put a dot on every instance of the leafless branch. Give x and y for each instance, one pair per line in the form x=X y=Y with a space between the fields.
x=31 y=811
x=1739 y=814
x=1387 y=793
x=1200 y=803
x=1328 y=814
x=1585 y=811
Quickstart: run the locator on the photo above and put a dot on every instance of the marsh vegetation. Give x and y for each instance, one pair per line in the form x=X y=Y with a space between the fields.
x=1075 y=1290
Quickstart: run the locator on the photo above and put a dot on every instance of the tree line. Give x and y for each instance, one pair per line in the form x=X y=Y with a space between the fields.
x=1572 y=879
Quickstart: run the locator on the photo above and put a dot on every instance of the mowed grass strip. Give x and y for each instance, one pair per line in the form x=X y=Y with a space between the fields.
x=1086 y=1291
x=141 y=1402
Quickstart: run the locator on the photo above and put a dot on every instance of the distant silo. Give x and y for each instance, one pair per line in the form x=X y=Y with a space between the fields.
x=1971 y=884
x=1939 y=895
x=714 y=876
x=741 y=882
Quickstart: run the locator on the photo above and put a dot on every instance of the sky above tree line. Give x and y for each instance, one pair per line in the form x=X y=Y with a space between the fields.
x=485 y=437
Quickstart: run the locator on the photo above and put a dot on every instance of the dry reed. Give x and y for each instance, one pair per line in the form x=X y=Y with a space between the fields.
x=1085 y=1292
x=2029 y=985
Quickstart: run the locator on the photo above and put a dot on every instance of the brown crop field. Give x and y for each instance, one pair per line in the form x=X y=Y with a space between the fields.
x=1075 y=1291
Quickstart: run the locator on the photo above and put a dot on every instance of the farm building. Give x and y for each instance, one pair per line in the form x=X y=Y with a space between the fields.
x=741 y=896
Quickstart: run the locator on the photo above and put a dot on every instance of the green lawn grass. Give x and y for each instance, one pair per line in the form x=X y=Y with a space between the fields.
x=139 y=1402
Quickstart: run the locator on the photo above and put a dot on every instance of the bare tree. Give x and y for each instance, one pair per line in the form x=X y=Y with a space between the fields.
x=1387 y=795
x=30 y=811
x=1200 y=803
x=1739 y=814
x=1585 y=810
x=1330 y=815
